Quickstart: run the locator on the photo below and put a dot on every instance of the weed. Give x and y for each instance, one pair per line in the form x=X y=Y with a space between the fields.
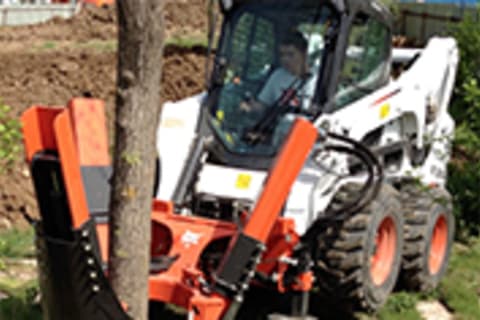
x=187 y=42
x=45 y=46
x=99 y=45
x=20 y=293
x=460 y=289
x=16 y=244
x=10 y=138
x=464 y=172
x=400 y=306
x=20 y=304
x=49 y=45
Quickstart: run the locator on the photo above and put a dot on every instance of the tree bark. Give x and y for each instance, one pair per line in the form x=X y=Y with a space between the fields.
x=140 y=48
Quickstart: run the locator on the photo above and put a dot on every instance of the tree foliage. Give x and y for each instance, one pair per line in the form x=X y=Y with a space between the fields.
x=10 y=138
x=464 y=179
x=391 y=4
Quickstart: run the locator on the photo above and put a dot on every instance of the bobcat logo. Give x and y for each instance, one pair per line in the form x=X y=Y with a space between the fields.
x=190 y=238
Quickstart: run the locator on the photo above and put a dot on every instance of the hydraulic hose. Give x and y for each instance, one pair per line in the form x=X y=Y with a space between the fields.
x=372 y=159
x=353 y=204
x=366 y=194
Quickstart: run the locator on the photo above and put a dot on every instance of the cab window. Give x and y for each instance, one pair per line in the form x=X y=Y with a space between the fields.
x=366 y=64
x=253 y=46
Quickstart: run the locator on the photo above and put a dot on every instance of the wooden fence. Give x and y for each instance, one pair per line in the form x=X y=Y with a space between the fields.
x=420 y=21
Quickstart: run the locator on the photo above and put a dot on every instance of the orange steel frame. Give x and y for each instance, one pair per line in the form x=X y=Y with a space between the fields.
x=64 y=130
x=100 y=3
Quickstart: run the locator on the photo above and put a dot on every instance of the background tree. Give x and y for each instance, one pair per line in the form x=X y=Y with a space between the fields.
x=140 y=49
x=464 y=170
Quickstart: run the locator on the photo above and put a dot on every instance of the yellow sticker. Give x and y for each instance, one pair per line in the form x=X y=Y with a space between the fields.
x=243 y=181
x=172 y=123
x=229 y=138
x=220 y=115
x=384 y=110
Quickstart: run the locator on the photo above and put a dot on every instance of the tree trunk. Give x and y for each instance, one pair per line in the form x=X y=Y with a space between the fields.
x=140 y=49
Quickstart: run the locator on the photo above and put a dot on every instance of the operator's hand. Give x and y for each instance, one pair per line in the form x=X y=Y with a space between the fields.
x=251 y=106
x=245 y=106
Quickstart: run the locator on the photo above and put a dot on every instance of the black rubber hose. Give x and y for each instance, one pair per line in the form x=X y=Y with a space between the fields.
x=373 y=160
x=352 y=205
x=365 y=197
x=359 y=145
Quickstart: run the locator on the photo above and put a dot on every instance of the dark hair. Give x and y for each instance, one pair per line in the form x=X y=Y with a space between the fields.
x=295 y=39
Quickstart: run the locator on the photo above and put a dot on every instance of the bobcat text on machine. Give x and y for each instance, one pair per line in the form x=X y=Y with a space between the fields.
x=316 y=160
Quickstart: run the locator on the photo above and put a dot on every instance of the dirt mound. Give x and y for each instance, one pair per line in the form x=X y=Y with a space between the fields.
x=16 y=197
x=52 y=78
x=32 y=72
x=182 y=18
x=90 y=23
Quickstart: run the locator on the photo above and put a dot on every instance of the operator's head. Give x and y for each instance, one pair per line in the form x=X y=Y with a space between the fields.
x=293 y=53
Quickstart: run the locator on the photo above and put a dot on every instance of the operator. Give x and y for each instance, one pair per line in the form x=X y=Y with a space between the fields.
x=292 y=75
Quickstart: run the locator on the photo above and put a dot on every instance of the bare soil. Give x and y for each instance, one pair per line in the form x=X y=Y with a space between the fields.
x=49 y=63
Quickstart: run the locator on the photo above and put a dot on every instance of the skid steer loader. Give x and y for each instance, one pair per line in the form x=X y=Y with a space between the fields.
x=336 y=186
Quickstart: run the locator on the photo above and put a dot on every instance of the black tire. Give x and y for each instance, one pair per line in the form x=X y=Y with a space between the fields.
x=346 y=249
x=424 y=209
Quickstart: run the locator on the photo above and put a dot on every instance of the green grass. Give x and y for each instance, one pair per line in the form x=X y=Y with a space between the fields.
x=45 y=46
x=99 y=45
x=20 y=303
x=111 y=45
x=187 y=42
x=17 y=244
x=10 y=138
x=400 y=306
x=460 y=290
x=20 y=294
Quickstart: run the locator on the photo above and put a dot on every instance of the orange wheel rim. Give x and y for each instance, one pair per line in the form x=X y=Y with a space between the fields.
x=438 y=247
x=381 y=261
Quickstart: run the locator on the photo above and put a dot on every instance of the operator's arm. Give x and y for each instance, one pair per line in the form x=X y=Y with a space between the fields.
x=265 y=98
x=252 y=105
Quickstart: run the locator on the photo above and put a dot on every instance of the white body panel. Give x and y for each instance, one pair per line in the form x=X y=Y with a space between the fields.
x=399 y=109
x=230 y=183
x=174 y=136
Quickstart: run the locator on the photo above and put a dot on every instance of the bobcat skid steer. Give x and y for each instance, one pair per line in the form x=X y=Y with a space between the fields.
x=336 y=186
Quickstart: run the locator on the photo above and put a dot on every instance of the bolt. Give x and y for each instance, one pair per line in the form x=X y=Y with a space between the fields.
x=288 y=238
